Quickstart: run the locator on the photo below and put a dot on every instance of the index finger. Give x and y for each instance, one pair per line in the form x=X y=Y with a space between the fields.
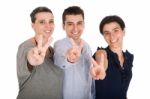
x=101 y=59
x=39 y=39
x=72 y=42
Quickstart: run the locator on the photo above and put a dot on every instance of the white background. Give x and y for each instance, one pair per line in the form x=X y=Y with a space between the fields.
x=15 y=27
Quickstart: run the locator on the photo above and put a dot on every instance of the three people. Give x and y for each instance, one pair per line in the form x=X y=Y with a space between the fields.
x=118 y=64
x=38 y=77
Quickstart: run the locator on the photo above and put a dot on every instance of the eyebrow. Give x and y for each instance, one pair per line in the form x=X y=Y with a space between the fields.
x=116 y=28
x=113 y=29
x=73 y=22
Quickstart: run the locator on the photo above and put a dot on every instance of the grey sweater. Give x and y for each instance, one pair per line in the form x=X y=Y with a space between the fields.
x=43 y=82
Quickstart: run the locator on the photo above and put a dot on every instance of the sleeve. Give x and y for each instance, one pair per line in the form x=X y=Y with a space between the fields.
x=130 y=58
x=60 y=56
x=22 y=70
x=93 y=91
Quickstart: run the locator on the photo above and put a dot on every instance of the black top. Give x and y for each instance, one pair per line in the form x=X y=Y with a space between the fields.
x=116 y=82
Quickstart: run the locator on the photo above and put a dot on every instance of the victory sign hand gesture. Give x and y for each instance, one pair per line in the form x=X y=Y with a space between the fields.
x=98 y=70
x=37 y=54
x=74 y=53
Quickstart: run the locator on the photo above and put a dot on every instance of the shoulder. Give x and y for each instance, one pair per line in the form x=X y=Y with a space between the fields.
x=60 y=42
x=61 y=46
x=100 y=50
x=24 y=44
x=129 y=56
x=24 y=47
x=86 y=47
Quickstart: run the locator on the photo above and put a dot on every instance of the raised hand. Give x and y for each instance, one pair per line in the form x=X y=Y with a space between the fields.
x=97 y=71
x=74 y=53
x=37 y=54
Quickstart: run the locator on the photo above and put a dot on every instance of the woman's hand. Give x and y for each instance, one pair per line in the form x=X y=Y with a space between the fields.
x=37 y=54
x=97 y=71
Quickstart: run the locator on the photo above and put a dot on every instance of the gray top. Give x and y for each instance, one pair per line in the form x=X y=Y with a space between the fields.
x=77 y=80
x=43 y=82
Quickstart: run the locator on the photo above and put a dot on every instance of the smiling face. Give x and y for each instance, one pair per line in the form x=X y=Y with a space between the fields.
x=74 y=25
x=44 y=24
x=113 y=35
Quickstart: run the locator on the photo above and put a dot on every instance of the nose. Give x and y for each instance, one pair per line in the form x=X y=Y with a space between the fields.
x=75 y=28
x=112 y=35
x=47 y=25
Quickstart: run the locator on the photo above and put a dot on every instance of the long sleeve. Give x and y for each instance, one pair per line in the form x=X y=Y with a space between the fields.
x=77 y=81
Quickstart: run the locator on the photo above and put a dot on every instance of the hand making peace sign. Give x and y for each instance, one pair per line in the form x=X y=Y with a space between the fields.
x=98 y=70
x=74 y=53
x=37 y=54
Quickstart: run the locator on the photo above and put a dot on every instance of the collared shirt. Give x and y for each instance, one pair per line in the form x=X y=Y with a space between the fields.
x=77 y=80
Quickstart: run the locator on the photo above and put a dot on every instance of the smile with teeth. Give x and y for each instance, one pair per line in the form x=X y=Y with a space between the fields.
x=47 y=31
x=75 y=33
x=113 y=41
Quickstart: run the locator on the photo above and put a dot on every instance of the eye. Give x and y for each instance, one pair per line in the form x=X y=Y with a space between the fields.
x=69 y=23
x=116 y=30
x=51 y=22
x=42 y=22
x=80 y=23
x=106 y=33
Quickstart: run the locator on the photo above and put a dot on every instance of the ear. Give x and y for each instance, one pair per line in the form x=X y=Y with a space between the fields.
x=83 y=25
x=124 y=32
x=63 y=26
x=32 y=25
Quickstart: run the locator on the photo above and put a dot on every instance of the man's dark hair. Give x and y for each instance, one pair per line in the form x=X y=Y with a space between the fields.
x=72 y=10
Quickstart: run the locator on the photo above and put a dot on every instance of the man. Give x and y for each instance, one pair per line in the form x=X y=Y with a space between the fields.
x=74 y=56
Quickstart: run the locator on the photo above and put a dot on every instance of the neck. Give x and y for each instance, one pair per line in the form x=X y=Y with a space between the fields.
x=118 y=51
x=77 y=41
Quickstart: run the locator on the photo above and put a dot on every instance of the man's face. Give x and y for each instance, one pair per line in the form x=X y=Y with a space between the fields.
x=74 y=25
